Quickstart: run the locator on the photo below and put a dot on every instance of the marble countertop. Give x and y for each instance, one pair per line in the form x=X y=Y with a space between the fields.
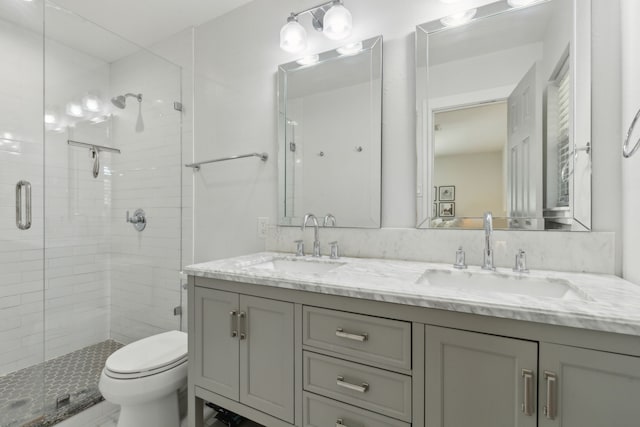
x=596 y=302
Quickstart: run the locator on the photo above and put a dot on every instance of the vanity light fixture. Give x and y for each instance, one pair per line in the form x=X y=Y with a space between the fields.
x=458 y=19
x=350 y=49
x=332 y=18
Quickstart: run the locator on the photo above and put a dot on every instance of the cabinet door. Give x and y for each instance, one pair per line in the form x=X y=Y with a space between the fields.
x=217 y=350
x=266 y=356
x=591 y=388
x=477 y=380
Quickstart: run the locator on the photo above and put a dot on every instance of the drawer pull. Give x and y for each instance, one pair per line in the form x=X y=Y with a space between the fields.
x=234 y=323
x=359 y=388
x=342 y=334
x=551 y=409
x=242 y=316
x=527 y=403
x=340 y=423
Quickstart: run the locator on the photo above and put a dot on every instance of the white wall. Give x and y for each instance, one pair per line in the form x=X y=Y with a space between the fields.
x=236 y=58
x=343 y=181
x=631 y=167
x=476 y=193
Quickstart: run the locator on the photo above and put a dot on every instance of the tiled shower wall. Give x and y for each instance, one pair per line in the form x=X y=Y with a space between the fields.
x=145 y=266
x=77 y=208
x=70 y=274
x=86 y=296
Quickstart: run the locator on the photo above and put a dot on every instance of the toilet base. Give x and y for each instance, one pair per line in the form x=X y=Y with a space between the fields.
x=162 y=412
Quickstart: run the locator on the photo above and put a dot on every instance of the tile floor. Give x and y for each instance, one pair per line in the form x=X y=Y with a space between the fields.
x=27 y=398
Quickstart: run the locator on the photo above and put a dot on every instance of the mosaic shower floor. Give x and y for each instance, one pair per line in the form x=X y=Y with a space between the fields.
x=75 y=374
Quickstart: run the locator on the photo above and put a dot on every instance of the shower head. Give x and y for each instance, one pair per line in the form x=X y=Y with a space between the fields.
x=120 y=101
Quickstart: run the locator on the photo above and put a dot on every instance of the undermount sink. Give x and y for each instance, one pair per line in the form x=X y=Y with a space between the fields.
x=481 y=282
x=302 y=265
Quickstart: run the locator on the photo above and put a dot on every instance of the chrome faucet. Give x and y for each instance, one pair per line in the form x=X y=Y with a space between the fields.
x=487 y=263
x=316 y=240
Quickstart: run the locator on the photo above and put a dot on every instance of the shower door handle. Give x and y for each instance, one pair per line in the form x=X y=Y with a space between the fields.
x=26 y=186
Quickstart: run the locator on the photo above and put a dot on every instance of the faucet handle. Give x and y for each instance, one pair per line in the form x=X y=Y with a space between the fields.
x=521 y=262
x=333 y=250
x=460 y=263
x=329 y=221
x=299 y=247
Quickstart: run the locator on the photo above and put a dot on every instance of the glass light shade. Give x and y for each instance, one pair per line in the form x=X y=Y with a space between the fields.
x=337 y=23
x=459 y=18
x=74 y=109
x=293 y=37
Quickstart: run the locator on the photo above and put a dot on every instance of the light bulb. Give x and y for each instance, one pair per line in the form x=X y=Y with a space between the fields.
x=309 y=60
x=74 y=109
x=521 y=3
x=350 y=49
x=337 y=23
x=91 y=103
x=293 y=37
x=459 y=18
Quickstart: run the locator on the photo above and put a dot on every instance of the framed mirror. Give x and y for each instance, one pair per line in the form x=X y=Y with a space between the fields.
x=504 y=117
x=330 y=136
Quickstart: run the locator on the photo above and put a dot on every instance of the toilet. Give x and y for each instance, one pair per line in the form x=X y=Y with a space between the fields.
x=144 y=378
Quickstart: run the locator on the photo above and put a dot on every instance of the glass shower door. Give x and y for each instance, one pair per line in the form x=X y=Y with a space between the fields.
x=21 y=213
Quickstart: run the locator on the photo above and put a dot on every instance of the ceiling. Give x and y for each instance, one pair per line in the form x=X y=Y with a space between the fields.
x=146 y=22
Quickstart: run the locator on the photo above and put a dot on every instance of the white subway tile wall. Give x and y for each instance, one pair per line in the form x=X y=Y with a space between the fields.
x=145 y=266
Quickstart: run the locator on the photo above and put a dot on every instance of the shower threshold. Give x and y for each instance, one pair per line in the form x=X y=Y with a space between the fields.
x=70 y=386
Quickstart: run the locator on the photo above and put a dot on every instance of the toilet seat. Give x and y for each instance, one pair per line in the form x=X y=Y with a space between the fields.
x=149 y=356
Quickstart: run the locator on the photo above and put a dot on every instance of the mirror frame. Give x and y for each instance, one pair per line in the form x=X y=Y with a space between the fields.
x=372 y=46
x=580 y=69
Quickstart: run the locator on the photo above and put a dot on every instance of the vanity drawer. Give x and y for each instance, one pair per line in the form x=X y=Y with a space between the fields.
x=383 y=342
x=322 y=412
x=377 y=390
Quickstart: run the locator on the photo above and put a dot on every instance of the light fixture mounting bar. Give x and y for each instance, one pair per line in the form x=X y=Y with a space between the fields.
x=314 y=8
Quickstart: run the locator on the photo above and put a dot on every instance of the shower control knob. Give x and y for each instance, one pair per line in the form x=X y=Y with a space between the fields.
x=139 y=219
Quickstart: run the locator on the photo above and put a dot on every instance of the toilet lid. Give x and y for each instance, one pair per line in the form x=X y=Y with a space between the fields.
x=149 y=354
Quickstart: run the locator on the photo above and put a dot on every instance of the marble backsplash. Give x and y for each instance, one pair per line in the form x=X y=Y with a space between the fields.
x=588 y=252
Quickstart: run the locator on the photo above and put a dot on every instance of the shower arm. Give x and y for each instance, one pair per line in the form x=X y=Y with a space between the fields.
x=137 y=96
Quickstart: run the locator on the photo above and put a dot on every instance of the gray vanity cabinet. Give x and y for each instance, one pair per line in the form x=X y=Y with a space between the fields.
x=479 y=380
x=584 y=388
x=245 y=350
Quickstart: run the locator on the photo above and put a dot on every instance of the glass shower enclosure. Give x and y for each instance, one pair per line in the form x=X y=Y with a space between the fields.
x=90 y=206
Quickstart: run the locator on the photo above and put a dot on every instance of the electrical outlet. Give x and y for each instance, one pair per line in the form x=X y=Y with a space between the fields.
x=263 y=225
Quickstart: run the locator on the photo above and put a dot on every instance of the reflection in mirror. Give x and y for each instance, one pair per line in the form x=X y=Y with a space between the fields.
x=499 y=126
x=330 y=126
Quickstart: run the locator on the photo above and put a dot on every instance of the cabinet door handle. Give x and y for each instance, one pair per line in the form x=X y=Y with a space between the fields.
x=234 y=323
x=527 y=400
x=27 y=204
x=243 y=325
x=340 y=423
x=359 y=388
x=355 y=337
x=551 y=408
